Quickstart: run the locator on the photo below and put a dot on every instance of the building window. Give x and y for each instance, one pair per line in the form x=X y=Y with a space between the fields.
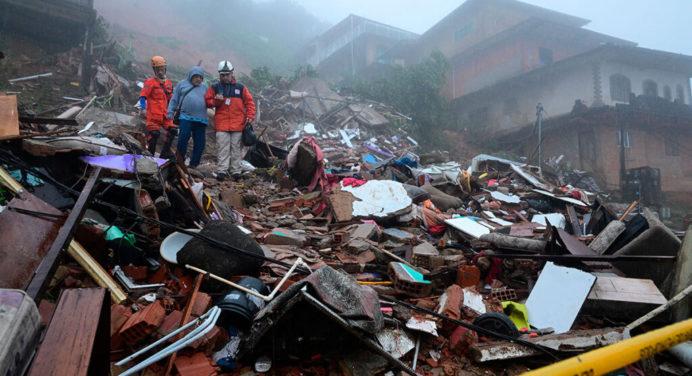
x=462 y=32
x=545 y=56
x=380 y=50
x=620 y=88
x=672 y=146
x=667 y=94
x=628 y=140
x=680 y=94
x=650 y=88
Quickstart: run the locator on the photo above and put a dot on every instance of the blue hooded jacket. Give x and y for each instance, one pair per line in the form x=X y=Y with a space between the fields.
x=193 y=106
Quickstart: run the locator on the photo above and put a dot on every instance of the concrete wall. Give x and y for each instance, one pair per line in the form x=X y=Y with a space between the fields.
x=647 y=148
x=557 y=95
x=505 y=60
x=487 y=21
x=638 y=75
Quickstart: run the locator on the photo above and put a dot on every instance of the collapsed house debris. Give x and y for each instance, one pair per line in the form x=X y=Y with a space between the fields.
x=338 y=252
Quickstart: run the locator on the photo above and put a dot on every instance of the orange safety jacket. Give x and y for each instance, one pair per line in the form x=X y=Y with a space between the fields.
x=157 y=94
x=234 y=110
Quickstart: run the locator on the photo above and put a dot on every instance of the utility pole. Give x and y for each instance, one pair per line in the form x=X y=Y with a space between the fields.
x=539 y=116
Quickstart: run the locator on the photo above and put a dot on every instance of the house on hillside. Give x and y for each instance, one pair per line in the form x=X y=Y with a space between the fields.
x=351 y=46
x=58 y=23
x=609 y=107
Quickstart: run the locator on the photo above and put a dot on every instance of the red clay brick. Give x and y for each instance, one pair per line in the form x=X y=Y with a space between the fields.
x=170 y=323
x=468 y=275
x=143 y=323
x=201 y=304
x=461 y=340
x=195 y=365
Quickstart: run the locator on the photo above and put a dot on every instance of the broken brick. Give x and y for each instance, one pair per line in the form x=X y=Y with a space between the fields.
x=197 y=364
x=468 y=275
x=170 y=323
x=201 y=304
x=143 y=323
x=135 y=273
x=461 y=340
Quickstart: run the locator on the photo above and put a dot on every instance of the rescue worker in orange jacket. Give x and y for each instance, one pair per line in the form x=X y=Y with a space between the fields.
x=153 y=101
x=234 y=108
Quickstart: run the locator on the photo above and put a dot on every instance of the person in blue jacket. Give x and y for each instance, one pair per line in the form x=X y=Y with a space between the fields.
x=189 y=95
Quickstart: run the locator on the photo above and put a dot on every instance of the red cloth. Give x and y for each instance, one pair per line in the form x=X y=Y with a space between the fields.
x=495 y=266
x=234 y=110
x=157 y=94
x=435 y=230
x=353 y=182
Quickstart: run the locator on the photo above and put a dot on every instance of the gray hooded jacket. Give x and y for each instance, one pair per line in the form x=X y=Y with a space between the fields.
x=193 y=106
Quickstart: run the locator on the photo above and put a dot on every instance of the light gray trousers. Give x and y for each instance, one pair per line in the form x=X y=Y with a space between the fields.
x=230 y=152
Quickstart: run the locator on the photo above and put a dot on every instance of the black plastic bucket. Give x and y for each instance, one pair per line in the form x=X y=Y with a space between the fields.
x=239 y=308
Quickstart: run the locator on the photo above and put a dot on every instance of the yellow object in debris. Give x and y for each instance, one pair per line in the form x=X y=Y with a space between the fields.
x=517 y=313
x=8 y=181
x=73 y=83
x=96 y=271
x=465 y=182
x=618 y=355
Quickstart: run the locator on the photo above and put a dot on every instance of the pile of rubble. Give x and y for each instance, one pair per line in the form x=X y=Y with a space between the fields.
x=342 y=251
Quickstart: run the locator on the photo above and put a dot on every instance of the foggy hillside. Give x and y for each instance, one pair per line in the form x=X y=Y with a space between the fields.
x=249 y=34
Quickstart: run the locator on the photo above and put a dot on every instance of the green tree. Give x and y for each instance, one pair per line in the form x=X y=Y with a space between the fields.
x=415 y=91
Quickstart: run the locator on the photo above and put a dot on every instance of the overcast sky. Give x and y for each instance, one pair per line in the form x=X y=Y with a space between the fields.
x=663 y=25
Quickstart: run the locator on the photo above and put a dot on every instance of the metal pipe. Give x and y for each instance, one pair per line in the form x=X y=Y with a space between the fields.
x=266 y=298
x=539 y=115
x=189 y=338
x=12 y=81
x=415 y=353
x=129 y=285
x=170 y=335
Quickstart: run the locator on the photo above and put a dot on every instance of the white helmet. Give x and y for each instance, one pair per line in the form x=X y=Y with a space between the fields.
x=225 y=66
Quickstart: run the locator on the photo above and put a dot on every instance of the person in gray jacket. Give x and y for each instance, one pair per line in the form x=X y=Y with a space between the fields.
x=189 y=95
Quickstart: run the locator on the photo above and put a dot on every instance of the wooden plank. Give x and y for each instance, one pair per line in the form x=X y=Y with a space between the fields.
x=631 y=290
x=573 y=220
x=45 y=270
x=46 y=120
x=9 y=116
x=77 y=341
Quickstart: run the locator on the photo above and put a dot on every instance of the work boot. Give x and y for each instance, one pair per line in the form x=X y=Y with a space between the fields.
x=221 y=176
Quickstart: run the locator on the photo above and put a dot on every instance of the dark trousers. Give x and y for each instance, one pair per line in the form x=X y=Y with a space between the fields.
x=198 y=132
x=153 y=138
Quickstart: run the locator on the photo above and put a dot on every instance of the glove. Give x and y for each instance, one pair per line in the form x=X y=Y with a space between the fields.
x=173 y=131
